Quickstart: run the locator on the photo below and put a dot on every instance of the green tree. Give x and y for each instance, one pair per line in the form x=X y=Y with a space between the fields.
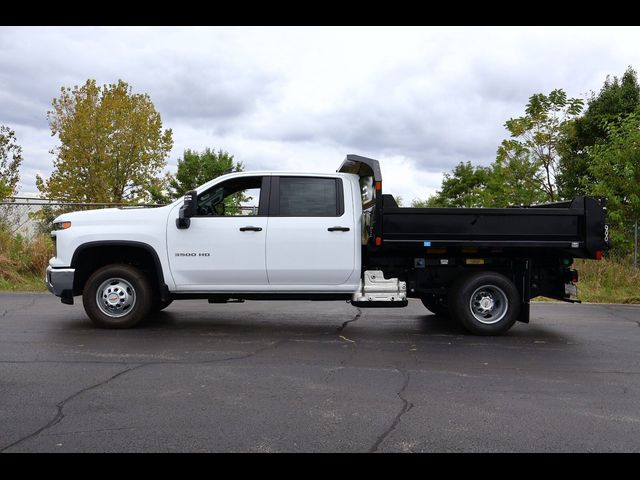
x=10 y=160
x=538 y=136
x=465 y=186
x=196 y=168
x=617 y=98
x=159 y=191
x=513 y=179
x=433 y=201
x=614 y=167
x=112 y=145
x=421 y=203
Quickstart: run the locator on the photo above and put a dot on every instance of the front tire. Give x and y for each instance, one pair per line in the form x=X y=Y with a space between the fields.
x=485 y=303
x=117 y=296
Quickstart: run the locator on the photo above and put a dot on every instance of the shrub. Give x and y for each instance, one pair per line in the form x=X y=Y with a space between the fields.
x=610 y=280
x=22 y=261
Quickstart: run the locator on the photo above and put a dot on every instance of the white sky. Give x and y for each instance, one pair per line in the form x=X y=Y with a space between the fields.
x=280 y=98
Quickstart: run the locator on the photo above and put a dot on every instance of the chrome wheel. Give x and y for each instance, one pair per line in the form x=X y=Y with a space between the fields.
x=489 y=304
x=115 y=297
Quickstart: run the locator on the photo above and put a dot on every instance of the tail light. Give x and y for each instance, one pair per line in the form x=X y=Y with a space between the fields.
x=598 y=255
x=570 y=276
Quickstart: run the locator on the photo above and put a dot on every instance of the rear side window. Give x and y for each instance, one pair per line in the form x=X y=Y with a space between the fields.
x=309 y=197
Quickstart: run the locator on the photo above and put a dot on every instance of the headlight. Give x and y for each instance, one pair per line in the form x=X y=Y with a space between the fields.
x=61 y=225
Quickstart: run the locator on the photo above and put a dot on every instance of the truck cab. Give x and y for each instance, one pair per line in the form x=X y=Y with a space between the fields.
x=300 y=235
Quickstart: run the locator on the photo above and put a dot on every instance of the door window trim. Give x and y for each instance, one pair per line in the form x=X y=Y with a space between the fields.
x=263 y=202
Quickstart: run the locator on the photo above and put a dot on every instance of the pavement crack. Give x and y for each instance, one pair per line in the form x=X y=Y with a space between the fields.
x=406 y=406
x=60 y=407
x=344 y=324
x=272 y=345
x=352 y=351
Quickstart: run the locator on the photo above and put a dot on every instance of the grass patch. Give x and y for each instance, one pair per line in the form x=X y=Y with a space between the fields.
x=23 y=261
x=27 y=283
x=610 y=280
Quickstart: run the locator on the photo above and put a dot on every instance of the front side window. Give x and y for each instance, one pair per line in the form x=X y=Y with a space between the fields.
x=233 y=198
x=309 y=197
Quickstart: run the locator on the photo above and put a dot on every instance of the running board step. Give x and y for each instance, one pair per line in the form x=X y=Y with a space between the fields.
x=379 y=292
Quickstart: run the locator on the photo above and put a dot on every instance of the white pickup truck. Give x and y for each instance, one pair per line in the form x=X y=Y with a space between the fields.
x=321 y=236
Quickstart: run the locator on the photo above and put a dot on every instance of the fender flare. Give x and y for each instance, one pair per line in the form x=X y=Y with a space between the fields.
x=164 y=290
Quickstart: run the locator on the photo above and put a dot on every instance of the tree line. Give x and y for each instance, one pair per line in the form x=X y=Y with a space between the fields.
x=113 y=149
x=558 y=149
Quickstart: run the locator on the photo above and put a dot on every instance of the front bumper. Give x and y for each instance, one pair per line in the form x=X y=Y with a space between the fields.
x=59 y=281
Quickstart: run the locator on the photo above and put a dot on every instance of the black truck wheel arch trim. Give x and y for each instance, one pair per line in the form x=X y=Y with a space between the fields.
x=125 y=243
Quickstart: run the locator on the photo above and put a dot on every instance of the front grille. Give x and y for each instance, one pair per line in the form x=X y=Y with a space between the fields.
x=55 y=246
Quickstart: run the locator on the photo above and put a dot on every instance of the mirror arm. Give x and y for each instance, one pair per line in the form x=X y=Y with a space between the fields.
x=188 y=209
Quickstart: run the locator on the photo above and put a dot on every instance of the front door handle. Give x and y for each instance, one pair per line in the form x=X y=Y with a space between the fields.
x=338 y=229
x=250 y=229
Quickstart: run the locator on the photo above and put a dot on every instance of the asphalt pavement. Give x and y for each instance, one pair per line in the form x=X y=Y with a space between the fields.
x=316 y=377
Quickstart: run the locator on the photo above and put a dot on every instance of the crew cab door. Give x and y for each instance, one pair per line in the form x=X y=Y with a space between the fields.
x=224 y=244
x=311 y=237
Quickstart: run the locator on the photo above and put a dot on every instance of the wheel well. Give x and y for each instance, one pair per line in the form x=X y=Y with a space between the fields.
x=90 y=258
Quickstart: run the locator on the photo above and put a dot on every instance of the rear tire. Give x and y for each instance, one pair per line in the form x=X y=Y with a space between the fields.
x=117 y=296
x=437 y=305
x=485 y=303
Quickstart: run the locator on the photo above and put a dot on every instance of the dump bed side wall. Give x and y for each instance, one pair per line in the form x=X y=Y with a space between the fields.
x=576 y=229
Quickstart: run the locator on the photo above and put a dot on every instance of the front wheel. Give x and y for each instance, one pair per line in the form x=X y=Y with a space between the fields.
x=117 y=296
x=485 y=303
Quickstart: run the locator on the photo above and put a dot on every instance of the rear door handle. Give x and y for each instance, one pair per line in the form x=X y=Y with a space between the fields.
x=250 y=229
x=338 y=229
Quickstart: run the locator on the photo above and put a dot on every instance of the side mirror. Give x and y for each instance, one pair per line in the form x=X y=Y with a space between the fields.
x=188 y=210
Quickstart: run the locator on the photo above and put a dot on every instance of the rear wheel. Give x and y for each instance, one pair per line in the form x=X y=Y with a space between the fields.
x=485 y=303
x=117 y=296
x=436 y=304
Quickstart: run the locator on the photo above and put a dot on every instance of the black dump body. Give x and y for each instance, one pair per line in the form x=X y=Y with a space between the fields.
x=576 y=227
x=432 y=248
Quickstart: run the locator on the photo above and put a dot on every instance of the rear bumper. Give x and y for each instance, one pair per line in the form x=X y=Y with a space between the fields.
x=59 y=281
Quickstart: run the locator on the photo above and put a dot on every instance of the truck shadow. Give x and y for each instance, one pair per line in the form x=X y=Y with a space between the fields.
x=371 y=328
x=436 y=325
